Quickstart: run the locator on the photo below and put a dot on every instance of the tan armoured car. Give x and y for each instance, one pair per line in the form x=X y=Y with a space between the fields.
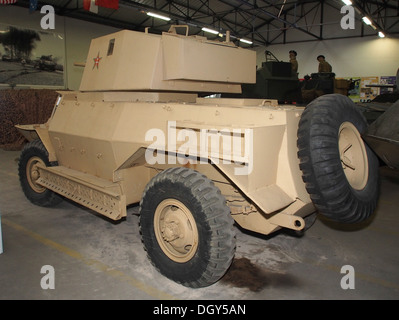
x=142 y=129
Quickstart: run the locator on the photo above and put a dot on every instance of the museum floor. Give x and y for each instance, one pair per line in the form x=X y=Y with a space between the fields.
x=93 y=258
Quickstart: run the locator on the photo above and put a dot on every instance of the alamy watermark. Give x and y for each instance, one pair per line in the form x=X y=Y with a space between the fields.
x=48 y=20
x=198 y=146
x=48 y=280
x=348 y=20
x=348 y=280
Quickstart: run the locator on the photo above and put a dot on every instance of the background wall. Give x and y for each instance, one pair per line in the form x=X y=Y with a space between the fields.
x=352 y=57
x=355 y=57
x=76 y=36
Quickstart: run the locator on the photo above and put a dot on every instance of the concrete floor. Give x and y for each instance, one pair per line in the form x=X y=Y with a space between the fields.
x=94 y=258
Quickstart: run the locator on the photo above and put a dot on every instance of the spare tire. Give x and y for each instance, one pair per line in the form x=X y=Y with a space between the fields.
x=339 y=170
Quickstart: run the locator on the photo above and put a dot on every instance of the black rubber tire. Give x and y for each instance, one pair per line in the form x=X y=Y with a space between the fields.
x=216 y=235
x=45 y=198
x=320 y=162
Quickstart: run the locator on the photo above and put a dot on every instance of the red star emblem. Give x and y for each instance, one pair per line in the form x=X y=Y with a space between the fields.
x=97 y=60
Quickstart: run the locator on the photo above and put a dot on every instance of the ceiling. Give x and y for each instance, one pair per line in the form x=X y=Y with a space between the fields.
x=262 y=22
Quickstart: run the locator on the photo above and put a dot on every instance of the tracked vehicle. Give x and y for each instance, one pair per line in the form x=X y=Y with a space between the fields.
x=141 y=129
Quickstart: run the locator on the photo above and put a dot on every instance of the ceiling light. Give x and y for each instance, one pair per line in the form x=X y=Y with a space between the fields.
x=347 y=2
x=366 y=21
x=155 y=15
x=381 y=34
x=246 y=41
x=210 y=30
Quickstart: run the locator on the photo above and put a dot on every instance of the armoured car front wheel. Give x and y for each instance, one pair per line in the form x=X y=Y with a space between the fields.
x=186 y=227
x=340 y=171
x=32 y=156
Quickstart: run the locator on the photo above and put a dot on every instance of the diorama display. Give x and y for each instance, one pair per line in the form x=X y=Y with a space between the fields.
x=31 y=57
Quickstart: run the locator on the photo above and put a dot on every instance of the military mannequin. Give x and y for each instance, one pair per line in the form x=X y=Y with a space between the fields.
x=324 y=66
x=294 y=62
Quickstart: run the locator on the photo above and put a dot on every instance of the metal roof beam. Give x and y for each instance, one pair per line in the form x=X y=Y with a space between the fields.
x=280 y=19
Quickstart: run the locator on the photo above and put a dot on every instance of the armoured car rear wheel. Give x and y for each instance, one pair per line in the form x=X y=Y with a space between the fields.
x=339 y=169
x=176 y=230
x=186 y=227
x=32 y=156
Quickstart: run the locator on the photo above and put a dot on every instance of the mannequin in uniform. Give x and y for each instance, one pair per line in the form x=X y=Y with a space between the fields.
x=324 y=66
x=294 y=62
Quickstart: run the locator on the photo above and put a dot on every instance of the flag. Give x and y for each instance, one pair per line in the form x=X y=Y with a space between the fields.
x=112 y=4
x=8 y=1
x=90 y=5
x=32 y=5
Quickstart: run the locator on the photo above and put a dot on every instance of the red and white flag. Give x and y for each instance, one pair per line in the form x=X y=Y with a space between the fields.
x=8 y=1
x=90 y=5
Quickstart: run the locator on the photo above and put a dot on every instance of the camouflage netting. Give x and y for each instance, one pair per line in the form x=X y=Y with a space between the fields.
x=23 y=107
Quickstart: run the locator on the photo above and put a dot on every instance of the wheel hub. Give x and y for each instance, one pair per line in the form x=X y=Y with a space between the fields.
x=33 y=174
x=175 y=230
x=170 y=231
x=353 y=156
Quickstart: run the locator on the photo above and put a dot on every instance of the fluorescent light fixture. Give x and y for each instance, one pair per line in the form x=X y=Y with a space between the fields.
x=155 y=15
x=347 y=2
x=367 y=21
x=246 y=41
x=210 y=30
x=381 y=34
